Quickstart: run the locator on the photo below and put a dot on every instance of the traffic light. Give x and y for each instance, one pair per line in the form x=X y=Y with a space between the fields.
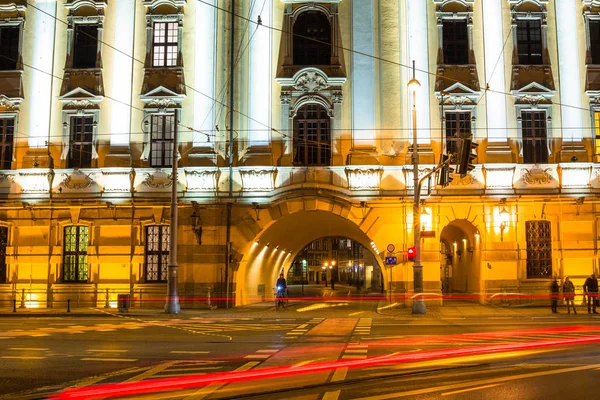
x=466 y=157
x=445 y=173
x=411 y=253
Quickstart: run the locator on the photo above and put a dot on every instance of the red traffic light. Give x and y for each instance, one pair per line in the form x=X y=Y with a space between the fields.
x=412 y=253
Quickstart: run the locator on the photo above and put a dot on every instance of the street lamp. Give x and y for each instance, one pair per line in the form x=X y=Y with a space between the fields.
x=418 y=306
x=504 y=218
x=324 y=268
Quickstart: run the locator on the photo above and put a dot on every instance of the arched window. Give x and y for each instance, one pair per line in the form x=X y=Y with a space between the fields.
x=312 y=39
x=312 y=136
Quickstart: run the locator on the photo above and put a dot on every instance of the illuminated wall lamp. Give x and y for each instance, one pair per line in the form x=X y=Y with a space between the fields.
x=196 y=222
x=505 y=219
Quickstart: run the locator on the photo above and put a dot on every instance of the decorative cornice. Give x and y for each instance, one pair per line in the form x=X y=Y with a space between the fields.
x=202 y=181
x=311 y=77
x=77 y=181
x=10 y=103
x=364 y=178
x=73 y=5
x=258 y=180
x=536 y=175
x=158 y=180
x=13 y=7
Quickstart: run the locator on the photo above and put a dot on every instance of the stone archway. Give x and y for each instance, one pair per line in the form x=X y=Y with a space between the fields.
x=273 y=249
x=462 y=244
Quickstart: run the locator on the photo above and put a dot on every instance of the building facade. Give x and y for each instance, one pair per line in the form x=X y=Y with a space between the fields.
x=294 y=123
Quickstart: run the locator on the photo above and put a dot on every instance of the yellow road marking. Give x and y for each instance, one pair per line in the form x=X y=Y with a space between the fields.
x=339 y=374
x=386 y=307
x=470 y=389
x=481 y=382
x=331 y=395
x=258 y=356
x=355 y=313
x=107 y=351
x=23 y=358
x=210 y=389
x=27 y=348
x=109 y=359
x=189 y=352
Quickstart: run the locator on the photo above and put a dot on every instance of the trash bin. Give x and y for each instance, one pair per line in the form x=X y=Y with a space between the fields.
x=123 y=302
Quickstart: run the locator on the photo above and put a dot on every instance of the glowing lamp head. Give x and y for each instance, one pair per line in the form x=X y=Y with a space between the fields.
x=411 y=253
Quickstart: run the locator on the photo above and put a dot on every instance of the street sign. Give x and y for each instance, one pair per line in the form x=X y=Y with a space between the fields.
x=391 y=248
x=427 y=234
x=391 y=260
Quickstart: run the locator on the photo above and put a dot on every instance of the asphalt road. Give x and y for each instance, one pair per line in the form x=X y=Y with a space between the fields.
x=364 y=354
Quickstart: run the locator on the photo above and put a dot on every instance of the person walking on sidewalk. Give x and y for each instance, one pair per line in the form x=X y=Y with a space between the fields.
x=590 y=287
x=569 y=294
x=554 y=296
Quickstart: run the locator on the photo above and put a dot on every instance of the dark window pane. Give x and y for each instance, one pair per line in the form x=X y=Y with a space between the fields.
x=7 y=131
x=3 y=245
x=529 y=41
x=75 y=267
x=312 y=136
x=165 y=45
x=458 y=124
x=9 y=47
x=82 y=133
x=535 y=141
x=539 y=249
x=85 y=46
x=456 y=43
x=157 y=253
x=161 y=140
x=595 y=41
x=312 y=39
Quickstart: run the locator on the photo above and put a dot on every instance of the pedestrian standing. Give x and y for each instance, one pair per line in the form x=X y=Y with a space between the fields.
x=590 y=287
x=554 y=296
x=569 y=294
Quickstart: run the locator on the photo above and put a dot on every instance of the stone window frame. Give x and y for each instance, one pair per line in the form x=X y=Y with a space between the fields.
x=534 y=106
x=63 y=247
x=528 y=240
x=151 y=6
x=18 y=21
x=163 y=106
x=15 y=116
x=442 y=16
x=328 y=112
x=453 y=102
x=290 y=15
x=79 y=111
x=160 y=252
x=73 y=20
x=167 y=161
x=589 y=14
x=540 y=15
x=594 y=96
x=94 y=124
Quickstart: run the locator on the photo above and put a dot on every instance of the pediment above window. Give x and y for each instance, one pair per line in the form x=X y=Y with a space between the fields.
x=528 y=5
x=591 y=3
x=533 y=93
x=310 y=80
x=156 y=5
x=80 y=99
x=311 y=2
x=454 y=5
x=74 y=5
x=18 y=8
x=459 y=94
x=162 y=98
x=10 y=103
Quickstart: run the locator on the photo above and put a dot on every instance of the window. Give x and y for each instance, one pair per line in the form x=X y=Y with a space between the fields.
x=539 y=249
x=9 y=47
x=456 y=44
x=458 y=124
x=312 y=39
x=75 y=267
x=157 y=253
x=81 y=141
x=164 y=44
x=3 y=244
x=597 y=133
x=85 y=49
x=161 y=140
x=529 y=41
x=7 y=131
x=594 y=26
x=312 y=140
x=535 y=141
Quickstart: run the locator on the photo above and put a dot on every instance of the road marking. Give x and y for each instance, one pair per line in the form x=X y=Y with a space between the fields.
x=331 y=395
x=150 y=372
x=213 y=387
x=107 y=351
x=388 y=306
x=267 y=351
x=40 y=334
x=356 y=350
x=27 y=348
x=481 y=382
x=109 y=359
x=189 y=352
x=339 y=375
x=258 y=356
x=356 y=313
x=470 y=389
x=452 y=318
x=7 y=337
x=23 y=358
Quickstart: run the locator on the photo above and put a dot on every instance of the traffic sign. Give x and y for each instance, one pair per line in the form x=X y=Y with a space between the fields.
x=391 y=260
x=391 y=248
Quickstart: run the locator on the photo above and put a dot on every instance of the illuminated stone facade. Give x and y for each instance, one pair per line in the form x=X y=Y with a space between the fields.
x=92 y=92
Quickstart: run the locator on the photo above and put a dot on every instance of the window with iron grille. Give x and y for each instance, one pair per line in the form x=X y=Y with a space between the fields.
x=85 y=48
x=456 y=43
x=312 y=39
x=458 y=124
x=312 y=137
x=157 y=253
x=597 y=135
x=81 y=142
x=535 y=140
x=3 y=244
x=9 y=47
x=529 y=41
x=594 y=28
x=539 y=249
x=75 y=266
x=161 y=140
x=7 y=132
x=165 y=44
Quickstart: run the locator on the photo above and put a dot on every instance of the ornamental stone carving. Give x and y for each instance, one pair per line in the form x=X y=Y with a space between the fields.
x=464 y=181
x=311 y=81
x=117 y=181
x=77 y=181
x=201 y=181
x=34 y=182
x=536 y=175
x=258 y=180
x=158 y=180
x=364 y=179
x=9 y=104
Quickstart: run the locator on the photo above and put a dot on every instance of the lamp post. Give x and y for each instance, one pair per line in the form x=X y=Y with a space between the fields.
x=505 y=219
x=172 y=305
x=324 y=268
x=418 y=306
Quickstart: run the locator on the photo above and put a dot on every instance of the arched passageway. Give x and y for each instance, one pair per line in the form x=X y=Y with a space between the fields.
x=460 y=264
x=274 y=249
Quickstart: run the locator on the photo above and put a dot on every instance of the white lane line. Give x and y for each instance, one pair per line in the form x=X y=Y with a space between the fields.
x=109 y=359
x=189 y=352
x=23 y=357
x=27 y=349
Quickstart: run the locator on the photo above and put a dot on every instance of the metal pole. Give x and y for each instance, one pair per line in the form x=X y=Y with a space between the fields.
x=227 y=254
x=172 y=305
x=418 y=306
